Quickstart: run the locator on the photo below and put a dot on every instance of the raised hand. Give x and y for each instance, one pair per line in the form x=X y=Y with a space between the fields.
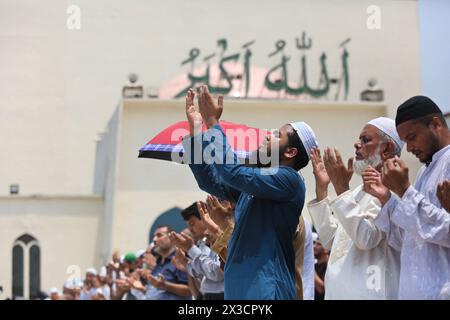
x=394 y=175
x=212 y=227
x=157 y=282
x=194 y=117
x=136 y=284
x=443 y=194
x=123 y=285
x=144 y=273
x=372 y=185
x=150 y=260
x=98 y=296
x=210 y=111
x=181 y=241
x=320 y=174
x=180 y=261
x=340 y=175
x=220 y=212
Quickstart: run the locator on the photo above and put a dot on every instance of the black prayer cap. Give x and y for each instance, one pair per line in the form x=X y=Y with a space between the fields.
x=415 y=108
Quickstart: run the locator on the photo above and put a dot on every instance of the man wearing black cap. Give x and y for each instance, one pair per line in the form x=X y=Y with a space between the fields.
x=412 y=215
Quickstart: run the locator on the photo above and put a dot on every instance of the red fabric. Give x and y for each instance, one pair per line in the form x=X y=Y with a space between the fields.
x=240 y=137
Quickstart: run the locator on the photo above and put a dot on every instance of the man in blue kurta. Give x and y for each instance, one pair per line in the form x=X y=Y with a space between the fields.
x=260 y=258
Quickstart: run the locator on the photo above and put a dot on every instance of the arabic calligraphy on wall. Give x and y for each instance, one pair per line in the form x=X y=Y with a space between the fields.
x=234 y=75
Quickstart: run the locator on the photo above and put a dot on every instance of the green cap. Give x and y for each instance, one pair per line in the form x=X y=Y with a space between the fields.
x=130 y=257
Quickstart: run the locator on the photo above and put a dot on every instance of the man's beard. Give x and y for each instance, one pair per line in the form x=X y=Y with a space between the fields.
x=434 y=147
x=359 y=166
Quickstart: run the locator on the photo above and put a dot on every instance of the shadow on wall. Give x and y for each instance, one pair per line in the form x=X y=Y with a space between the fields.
x=171 y=217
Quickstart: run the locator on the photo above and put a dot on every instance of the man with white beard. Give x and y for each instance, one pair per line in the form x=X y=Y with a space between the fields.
x=362 y=265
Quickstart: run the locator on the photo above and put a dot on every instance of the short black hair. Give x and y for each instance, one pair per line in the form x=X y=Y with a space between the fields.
x=169 y=228
x=301 y=159
x=191 y=211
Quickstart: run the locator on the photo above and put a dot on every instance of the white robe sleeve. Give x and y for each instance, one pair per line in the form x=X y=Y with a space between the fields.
x=358 y=223
x=323 y=220
x=418 y=215
x=383 y=220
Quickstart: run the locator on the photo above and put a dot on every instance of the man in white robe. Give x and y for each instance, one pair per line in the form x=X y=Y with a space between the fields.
x=413 y=216
x=362 y=265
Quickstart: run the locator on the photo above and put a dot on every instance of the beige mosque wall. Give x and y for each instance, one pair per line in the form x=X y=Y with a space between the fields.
x=60 y=85
x=66 y=230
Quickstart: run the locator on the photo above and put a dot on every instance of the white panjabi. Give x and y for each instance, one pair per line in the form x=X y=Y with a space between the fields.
x=419 y=226
x=361 y=265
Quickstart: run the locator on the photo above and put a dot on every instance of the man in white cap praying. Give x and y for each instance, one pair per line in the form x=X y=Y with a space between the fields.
x=103 y=278
x=260 y=256
x=90 y=284
x=362 y=265
x=54 y=294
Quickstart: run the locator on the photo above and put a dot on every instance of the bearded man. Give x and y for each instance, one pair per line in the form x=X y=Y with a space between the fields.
x=362 y=265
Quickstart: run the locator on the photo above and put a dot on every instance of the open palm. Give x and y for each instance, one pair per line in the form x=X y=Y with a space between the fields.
x=193 y=116
x=319 y=171
x=209 y=109
x=372 y=183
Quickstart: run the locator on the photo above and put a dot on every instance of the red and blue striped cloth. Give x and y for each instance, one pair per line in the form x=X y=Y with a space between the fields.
x=242 y=139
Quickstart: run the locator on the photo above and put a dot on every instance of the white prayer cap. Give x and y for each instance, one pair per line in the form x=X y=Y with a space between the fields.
x=103 y=272
x=122 y=258
x=315 y=236
x=140 y=253
x=92 y=271
x=68 y=285
x=388 y=127
x=54 y=290
x=306 y=135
